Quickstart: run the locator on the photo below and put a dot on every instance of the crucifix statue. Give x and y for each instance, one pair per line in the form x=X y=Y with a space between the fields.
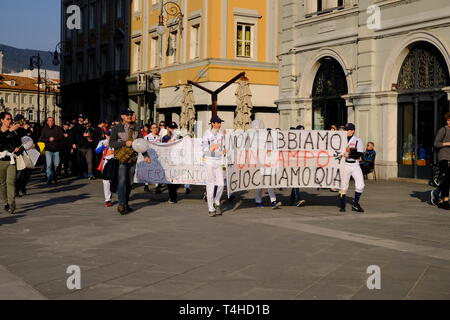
x=215 y=93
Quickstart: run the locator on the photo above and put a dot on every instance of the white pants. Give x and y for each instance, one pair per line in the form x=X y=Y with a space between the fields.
x=107 y=190
x=352 y=170
x=214 y=177
x=258 y=196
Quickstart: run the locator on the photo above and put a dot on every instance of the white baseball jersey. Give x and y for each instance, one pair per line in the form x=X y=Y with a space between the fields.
x=355 y=143
x=211 y=138
x=150 y=137
x=352 y=168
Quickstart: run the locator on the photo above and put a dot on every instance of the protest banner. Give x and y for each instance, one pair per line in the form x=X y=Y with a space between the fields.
x=179 y=162
x=293 y=158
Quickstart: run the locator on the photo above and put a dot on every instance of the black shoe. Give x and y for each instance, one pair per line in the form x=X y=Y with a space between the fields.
x=49 y=182
x=122 y=210
x=357 y=208
x=158 y=190
x=218 y=209
x=211 y=214
x=444 y=205
x=12 y=209
x=6 y=207
x=188 y=190
x=129 y=209
x=146 y=188
x=342 y=209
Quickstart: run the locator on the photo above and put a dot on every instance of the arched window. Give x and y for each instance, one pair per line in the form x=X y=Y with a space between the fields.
x=423 y=68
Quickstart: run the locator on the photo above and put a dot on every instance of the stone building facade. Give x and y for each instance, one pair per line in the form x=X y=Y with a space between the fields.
x=382 y=64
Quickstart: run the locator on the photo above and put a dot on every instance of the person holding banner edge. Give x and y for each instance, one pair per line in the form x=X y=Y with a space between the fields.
x=214 y=149
x=355 y=149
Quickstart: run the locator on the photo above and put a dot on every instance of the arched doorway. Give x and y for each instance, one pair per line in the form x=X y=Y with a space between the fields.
x=329 y=86
x=421 y=106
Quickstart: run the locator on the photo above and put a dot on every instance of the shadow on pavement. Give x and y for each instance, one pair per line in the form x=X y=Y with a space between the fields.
x=58 y=188
x=423 y=196
x=11 y=219
x=55 y=201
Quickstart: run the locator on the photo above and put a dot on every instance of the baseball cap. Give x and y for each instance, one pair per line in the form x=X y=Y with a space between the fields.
x=126 y=111
x=173 y=125
x=18 y=118
x=216 y=119
x=349 y=126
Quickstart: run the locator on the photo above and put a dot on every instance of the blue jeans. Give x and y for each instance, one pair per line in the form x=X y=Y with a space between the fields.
x=125 y=181
x=295 y=194
x=51 y=162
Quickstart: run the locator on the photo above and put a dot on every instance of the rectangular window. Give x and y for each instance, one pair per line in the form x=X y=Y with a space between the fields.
x=244 y=40
x=172 y=48
x=15 y=98
x=195 y=42
x=118 y=58
x=24 y=98
x=80 y=68
x=119 y=9
x=7 y=97
x=105 y=63
x=92 y=16
x=92 y=66
x=319 y=5
x=137 y=56
x=154 y=51
x=31 y=100
x=137 y=6
x=104 y=12
x=340 y=3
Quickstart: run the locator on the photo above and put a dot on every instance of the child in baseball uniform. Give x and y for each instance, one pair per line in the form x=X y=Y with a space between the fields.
x=355 y=149
x=213 y=145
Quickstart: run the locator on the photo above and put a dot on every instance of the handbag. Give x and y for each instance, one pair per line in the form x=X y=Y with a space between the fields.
x=28 y=161
x=126 y=155
x=24 y=162
x=20 y=163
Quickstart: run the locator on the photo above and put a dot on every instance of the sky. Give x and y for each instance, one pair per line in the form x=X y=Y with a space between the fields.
x=30 y=24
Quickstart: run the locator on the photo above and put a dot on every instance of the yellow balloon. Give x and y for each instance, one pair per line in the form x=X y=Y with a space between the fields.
x=41 y=147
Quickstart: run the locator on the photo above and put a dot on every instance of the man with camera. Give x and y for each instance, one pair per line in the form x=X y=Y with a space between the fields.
x=121 y=140
x=51 y=135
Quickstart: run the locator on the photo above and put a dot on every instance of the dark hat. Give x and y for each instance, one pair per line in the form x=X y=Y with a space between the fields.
x=173 y=125
x=81 y=116
x=108 y=132
x=18 y=117
x=66 y=123
x=300 y=127
x=126 y=111
x=349 y=126
x=216 y=119
x=102 y=121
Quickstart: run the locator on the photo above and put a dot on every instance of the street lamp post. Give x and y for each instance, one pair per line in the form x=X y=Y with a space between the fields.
x=172 y=9
x=36 y=61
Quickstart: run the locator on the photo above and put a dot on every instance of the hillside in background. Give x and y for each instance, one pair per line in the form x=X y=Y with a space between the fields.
x=16 y=60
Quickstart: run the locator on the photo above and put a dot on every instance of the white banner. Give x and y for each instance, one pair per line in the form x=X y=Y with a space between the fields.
x=293 y=158
x=178 y=162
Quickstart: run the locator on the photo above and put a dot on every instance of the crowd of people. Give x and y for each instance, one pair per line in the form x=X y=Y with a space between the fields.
x=104 y=151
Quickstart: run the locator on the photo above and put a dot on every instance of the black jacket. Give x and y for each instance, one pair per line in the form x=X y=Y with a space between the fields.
x=9 y=141
x=56 y=133
x=81 y=141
